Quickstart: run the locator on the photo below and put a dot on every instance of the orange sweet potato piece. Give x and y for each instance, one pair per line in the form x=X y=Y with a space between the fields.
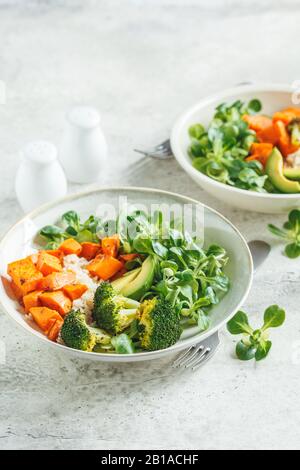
x=52 y=321
x=44 y=317
x=75 y=291
x=56 y=300
x=48 y=264
x=54 y=330
x=258 y=123
x=56 y=281
x=128 y=257
x=260 y=152
x=287 y=115
x=261 y=148
x=268 y=135
x=8 y=287
x=104 y=267
x=90 y=250
x=119 y=274
x=17 y=292
x=24 y=274
x=295 y=111
x=284 y=117
x=57 y=253
x=70 y=247
x=284 y=139
x=32 y=300
x=260 y=158
x=110 y=246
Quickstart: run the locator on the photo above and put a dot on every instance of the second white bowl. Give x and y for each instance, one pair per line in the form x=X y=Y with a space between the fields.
x=273 y=98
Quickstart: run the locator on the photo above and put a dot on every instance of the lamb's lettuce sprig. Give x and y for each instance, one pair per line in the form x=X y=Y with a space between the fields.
x=255 y=344
x=70 y=226
x=290 y=233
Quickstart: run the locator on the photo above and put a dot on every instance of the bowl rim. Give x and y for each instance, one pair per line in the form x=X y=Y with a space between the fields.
x=134 y=357
x=187 y=165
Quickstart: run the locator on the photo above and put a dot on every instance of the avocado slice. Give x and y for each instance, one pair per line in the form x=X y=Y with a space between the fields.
x=292 y=173
x=143 y=281
x=274 y=170
x=122 y=282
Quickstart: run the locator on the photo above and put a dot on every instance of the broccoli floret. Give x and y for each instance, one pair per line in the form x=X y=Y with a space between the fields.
x=294 y=129
x=113 y=312
x=77 y=334
x=159 y=324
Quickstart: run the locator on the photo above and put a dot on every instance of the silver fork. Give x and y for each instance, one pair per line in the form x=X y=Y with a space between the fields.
x=162 y=151
x=199 y=353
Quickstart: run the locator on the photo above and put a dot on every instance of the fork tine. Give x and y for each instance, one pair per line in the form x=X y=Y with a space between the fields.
x=166 y=151
x=143 y=152
x=202 y=360
x=162 y=154
x=165 y=145
x=189 y=357
x=182 y=356
x=194 y=360
x=150 y=150
x=162 y=150
x=199 y=353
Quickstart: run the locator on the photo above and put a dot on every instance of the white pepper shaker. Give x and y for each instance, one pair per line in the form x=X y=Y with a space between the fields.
x=83 y=149
x=40 y=177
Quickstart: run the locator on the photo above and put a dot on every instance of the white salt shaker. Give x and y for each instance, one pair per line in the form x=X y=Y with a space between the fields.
x=83 y=149
x=40 y=177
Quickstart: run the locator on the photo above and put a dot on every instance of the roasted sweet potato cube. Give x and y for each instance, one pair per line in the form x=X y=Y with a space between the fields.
x=24 y=274
x=12 y=291
x=105 y=267
x=128 y=257
x=54 y=330
x=258 y=122
x=284 y=139
x=56 y=281
x=89 y=250
x=75 y=291
x=32 y=300
x=70 y=247
x=48 y=264
x=57 y=253
x=110 y=245
x=17 y=292
x=57 y=301
x=44 y=317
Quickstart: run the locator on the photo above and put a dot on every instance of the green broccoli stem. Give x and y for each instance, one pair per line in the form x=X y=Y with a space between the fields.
x=126 y=302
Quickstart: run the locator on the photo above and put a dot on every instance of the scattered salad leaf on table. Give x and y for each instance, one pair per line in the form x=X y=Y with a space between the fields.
x=290 y=233
x=255 y=344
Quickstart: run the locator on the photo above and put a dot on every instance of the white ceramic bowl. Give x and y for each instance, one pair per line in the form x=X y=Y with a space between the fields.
x=18 y=242
x=273 y=98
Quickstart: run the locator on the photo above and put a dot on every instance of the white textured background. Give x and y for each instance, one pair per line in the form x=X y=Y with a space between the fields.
x=141 y=63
